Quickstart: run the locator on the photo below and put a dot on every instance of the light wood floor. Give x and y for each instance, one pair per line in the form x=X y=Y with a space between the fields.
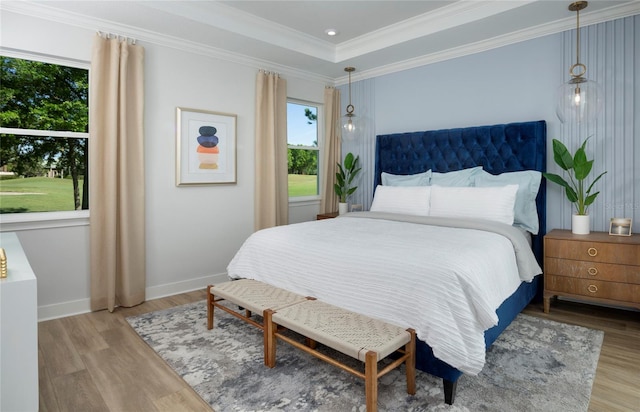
x=96 y=362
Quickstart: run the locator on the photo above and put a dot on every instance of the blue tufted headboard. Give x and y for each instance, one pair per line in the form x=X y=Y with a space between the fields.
x=498 y=148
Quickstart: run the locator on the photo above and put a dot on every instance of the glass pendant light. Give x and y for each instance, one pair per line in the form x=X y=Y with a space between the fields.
x=580 y=99
x=350 y=122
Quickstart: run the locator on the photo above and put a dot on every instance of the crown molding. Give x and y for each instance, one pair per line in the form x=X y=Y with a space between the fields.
x=98 y=25
x=415 y=27
x=248 y=25
x=45 y=12
x=443 y=18
x=601 y=16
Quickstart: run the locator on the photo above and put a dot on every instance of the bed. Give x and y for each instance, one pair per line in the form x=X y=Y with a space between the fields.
x=344 y=261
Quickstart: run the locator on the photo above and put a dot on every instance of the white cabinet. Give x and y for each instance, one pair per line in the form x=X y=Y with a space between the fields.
x=18 y=331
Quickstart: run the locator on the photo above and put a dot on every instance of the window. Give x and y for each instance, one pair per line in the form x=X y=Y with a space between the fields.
x=303 y=153
x=44 y=116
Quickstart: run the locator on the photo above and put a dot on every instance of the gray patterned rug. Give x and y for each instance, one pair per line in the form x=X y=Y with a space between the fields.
x=535 y=365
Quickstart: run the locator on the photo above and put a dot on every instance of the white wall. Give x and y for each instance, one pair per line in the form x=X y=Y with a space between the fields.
x=192 y=232
x=508 y=84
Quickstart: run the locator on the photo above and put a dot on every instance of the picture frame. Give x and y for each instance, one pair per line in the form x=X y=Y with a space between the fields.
x=205 y=147
x=620 y=226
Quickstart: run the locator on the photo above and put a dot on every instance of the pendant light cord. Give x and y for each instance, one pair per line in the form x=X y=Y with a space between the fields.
x=582 y=69
x=349 y=88
x=578 y=36
x=350 y=107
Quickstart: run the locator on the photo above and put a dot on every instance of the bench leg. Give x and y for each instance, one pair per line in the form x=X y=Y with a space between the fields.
x=269 y=339
x=410 y=363
x=209 y=308
x=371 y=381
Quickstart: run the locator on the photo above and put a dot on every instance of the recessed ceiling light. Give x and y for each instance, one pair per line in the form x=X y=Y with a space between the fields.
x=331 y=32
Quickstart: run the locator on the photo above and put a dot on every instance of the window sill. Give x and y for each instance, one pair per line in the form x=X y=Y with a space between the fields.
x=304 y=200
x=14 y=222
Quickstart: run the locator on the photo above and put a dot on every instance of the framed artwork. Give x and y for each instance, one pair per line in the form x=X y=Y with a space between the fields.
x=620 y=226
x=205 y=147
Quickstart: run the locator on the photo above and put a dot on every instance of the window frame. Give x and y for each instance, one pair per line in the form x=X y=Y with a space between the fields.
x=319 y=148
x=44 y=220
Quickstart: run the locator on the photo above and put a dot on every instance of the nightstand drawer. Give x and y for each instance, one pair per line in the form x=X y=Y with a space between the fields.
x=623 y=254
x=592 y=270
x=623 y=292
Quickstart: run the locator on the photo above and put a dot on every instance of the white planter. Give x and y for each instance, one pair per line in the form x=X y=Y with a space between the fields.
x=343 y=208
x=580 y=224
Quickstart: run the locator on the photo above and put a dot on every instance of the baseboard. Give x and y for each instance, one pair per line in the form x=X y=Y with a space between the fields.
x=63 y=309
x=77 y=307
x=156 y=292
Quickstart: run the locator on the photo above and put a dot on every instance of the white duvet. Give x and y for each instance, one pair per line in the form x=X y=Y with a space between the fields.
x=446 y=283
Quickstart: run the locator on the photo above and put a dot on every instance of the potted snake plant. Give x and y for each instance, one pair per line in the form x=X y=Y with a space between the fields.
x=578 y=168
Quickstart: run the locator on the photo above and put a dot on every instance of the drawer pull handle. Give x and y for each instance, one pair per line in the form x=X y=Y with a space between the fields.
x=592 y=288
x=592 y=251
x=592 y=271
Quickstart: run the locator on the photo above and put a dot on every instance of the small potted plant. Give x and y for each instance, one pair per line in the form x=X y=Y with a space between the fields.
x=347 y=171
x=578 y=168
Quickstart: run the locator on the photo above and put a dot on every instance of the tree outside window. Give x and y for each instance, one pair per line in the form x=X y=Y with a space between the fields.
x=303 y=152
x=44 y=123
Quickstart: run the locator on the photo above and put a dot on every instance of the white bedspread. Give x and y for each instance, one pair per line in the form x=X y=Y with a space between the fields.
x=444 y=282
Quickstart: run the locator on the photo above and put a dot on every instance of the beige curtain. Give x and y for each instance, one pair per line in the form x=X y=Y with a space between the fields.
x=271 y=193
x=332 y=149
x=116 y=173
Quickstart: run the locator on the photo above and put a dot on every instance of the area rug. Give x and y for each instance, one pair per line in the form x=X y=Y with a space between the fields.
x=535 y=365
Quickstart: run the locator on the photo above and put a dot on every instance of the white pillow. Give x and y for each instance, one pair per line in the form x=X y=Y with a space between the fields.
x=489 y=203
x=526 y=211
x=417 y=179
x=407 y=200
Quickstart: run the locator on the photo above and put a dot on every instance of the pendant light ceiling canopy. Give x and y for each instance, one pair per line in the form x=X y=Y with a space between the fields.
x=580 y=99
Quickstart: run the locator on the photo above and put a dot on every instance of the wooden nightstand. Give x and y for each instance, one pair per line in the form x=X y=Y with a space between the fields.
x=330 y=215
x=596 y=267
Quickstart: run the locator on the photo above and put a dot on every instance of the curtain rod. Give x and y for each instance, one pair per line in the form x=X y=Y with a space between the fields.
x=108 y=35
x=269 y=72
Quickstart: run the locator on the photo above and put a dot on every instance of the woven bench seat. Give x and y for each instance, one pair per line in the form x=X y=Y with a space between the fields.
x=252 y=295
x=361 y=337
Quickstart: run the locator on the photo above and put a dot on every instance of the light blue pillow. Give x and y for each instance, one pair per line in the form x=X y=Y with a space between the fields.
x=528 y=181
x=457 y=178
x=418 y=179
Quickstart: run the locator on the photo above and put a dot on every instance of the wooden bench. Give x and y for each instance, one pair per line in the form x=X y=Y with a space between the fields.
x=366 y=339
x=252 y=295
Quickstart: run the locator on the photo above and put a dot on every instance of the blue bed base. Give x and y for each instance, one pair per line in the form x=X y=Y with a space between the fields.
x=498 y=148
